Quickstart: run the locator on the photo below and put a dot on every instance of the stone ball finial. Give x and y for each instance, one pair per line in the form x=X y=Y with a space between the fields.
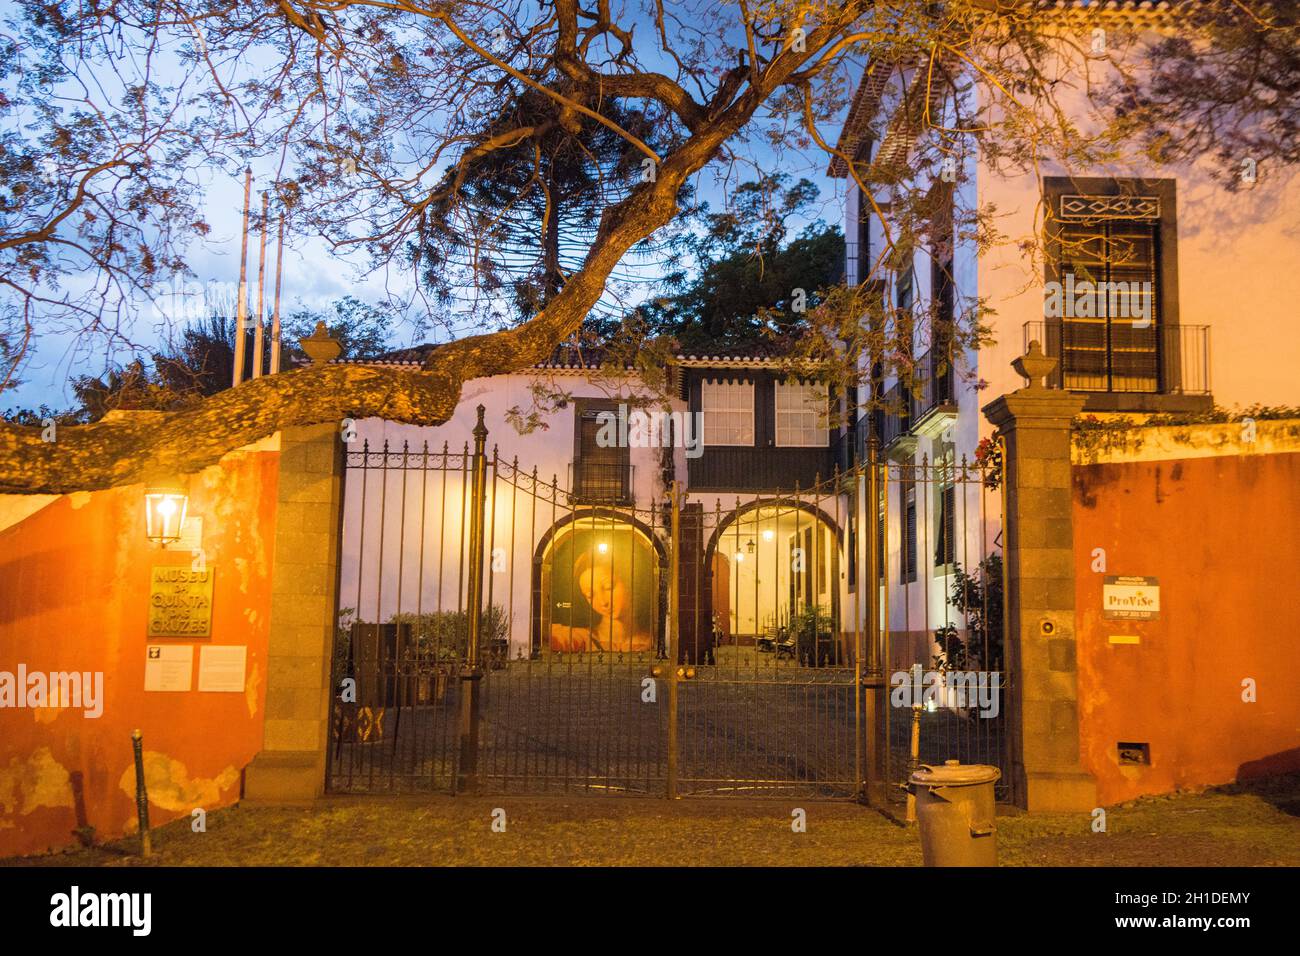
x=320 y=346
x=1034 y=366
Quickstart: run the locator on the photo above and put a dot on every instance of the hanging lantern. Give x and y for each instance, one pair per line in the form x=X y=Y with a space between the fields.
x=164 y=511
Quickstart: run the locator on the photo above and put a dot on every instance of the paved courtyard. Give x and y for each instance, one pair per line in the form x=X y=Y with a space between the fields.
x=1226 y=827
x=751 y=726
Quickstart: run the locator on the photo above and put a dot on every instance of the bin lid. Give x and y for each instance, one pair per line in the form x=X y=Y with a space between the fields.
x=953 y=773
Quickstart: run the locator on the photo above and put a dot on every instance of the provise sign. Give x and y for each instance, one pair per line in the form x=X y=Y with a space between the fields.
x=1130 y=598
x=180 y=602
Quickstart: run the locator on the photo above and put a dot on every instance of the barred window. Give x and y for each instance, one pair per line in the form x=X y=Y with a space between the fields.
x=801 y=415
x=728 y=409
x=1113 y=343
x=600 y=472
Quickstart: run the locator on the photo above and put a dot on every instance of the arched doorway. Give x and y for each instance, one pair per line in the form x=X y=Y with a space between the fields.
x=597 y=586
x=774 y=576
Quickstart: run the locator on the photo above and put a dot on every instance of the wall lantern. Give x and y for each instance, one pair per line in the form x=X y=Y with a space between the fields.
x=164 y=511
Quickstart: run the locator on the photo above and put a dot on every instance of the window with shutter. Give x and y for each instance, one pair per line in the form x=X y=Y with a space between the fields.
x=852 y=543
x=907 y=553
x=1115 y=348
x=943 y=297
x=600 y=472
x=945 y=543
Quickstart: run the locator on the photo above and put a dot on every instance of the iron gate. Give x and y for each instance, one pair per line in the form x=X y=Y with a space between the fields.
x=671 y=646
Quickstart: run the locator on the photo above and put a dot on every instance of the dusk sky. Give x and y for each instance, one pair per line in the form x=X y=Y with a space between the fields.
x=315 y=276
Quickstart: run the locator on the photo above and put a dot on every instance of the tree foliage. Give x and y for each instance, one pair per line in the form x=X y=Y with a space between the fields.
x=387 y=125
x=749 y=282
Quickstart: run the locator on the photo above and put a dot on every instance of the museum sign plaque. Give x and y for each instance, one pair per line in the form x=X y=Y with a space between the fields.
x=180 y=602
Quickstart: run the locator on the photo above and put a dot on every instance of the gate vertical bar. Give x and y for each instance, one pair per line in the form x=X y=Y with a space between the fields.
x=472 y=675
x=858 y=587
x=674 y=598
x=877 y=728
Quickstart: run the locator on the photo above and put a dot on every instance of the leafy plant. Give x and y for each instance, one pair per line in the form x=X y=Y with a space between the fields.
x=813 y=630
x=978 y=597
x=444 y=635
x=988 y=459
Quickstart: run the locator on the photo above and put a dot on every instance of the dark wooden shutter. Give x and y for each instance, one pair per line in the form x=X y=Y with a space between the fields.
x=600 y=473
x=946 y=540
x=909 y=531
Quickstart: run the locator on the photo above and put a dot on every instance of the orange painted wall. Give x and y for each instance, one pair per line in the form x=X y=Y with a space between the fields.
x=74 y=591
x=1222 y=535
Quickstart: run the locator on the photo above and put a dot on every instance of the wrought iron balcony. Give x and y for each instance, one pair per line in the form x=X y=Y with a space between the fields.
x=895 y=417
x=597 y=482
x=907 y=409
x=1115 y=357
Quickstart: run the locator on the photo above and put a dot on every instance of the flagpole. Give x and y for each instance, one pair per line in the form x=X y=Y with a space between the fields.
x=259 y=325
x=241 y=307
x=275 y=318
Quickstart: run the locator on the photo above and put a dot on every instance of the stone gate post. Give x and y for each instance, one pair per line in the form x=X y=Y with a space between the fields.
x=304 y=605
x=1039 y=553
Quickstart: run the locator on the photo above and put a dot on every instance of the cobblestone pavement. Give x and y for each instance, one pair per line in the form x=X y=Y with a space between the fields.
x=763 y=729
x=1224 y=827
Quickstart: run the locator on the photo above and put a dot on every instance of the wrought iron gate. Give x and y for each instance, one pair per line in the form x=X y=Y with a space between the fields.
x=660 y=647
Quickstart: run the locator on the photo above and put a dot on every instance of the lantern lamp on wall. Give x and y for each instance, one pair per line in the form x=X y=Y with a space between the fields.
x=165 y=503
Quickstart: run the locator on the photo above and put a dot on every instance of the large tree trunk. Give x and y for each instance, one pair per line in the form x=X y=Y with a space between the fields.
x=118 y=452
x=138 y=448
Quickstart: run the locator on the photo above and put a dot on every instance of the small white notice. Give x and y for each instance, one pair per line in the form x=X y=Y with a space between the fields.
x=168 y=667
x=221 y=667
x=1130 y=598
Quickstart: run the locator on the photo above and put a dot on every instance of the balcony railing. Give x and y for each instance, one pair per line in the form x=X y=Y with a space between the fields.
x=894 y=419
x=1097 y=356
x=937 y=389
x=598 y=482
x=905 y=408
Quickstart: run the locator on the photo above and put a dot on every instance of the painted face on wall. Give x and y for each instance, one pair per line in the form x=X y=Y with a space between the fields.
x=604 y=591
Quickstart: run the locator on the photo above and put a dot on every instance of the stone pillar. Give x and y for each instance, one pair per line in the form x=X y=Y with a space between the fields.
x=304 y=604
x=1039 y=556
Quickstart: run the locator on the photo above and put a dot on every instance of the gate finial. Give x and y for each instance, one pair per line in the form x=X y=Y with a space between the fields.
x=1034 y=366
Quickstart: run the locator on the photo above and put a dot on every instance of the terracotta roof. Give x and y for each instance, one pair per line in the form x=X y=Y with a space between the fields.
x=752 y=353
x=564 y=357
x=415 y=355
x=572 y=358
x=862 y=109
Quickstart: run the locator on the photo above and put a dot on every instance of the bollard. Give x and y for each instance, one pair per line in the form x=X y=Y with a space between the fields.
x=914 y=760
x=141 y=795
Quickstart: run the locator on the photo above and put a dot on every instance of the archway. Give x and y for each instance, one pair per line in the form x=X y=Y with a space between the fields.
x=774 y=577
x=598 y=586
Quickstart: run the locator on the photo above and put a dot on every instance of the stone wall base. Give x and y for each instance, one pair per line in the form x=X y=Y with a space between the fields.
x=285 y=777
x=1060 y=792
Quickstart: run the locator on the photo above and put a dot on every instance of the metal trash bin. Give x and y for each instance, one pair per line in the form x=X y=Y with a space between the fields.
x=955 y=808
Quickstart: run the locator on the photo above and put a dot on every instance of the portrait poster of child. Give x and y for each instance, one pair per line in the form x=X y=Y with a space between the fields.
x=600 y=592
